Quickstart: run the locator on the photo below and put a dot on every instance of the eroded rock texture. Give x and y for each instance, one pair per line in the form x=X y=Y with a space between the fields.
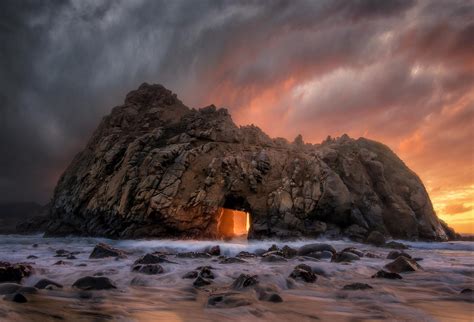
x=155 y=168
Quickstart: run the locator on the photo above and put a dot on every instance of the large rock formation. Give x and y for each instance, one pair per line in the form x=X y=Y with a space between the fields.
x=155 y=168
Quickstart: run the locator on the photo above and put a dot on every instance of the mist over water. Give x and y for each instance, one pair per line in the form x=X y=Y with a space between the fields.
x=431 y=294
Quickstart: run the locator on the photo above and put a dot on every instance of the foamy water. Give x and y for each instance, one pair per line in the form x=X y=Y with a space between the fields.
x=428 y=295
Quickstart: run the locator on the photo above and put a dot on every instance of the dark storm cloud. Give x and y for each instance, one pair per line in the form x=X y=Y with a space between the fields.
x=285 y=65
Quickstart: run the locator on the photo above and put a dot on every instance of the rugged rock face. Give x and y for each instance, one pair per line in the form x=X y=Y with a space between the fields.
x=155 y=168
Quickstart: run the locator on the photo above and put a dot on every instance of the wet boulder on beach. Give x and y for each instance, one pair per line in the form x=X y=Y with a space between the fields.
x=103 y=251
x=403 y=264
x=388 y=275
x=14 y=272
x=151 y=259
x=149 y=269
x=94 y=283
x=244 y=281
x=304 y=273
x=344 y=257
x=395 y=254
x=45 y=283
x=310 y=248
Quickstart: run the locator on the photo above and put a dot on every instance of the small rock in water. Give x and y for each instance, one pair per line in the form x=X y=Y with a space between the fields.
x=191 y=274
x=244 y=281
x=273 y=248
x=44 y=283
x=310 y=248
x=14 y=272
x=102 y=250
x=320 y=254
x=16 y=297
x=303 y=272
x=353 y=251
x=10 y=288
x=62 y=253
x=35 y=245
x=61 y=262
x=395 y=245
x=93 y=283
x=71 y=256
x=357 y=286
x=376 y=238
x=394 y=254
x=232 y=260
x=214 y=250
x=227 y=300
x=151 y=259
x=372 y=255
x=385 y=274
x=244 y=254
x=206 y=272
x=344 y=257
x=32 y=257
x=270 y=297
x=199 y=282
x=149 y=269
x=467 y=291
x=193 y=255
x=289 y=252
x=273 y=258
x=403 y=264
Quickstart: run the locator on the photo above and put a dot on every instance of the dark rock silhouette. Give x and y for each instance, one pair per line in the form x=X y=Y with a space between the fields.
x=156 y=168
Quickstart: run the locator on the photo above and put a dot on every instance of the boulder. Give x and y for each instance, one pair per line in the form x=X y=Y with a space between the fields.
x=288 y=252
x=395 y=254
x=304 y=273
x=244 y=281
x=403 y=264
x=227 y=300
x=273 y=259
x=376 y=238
x=320 y=255
x=14 y=272
x=16 y=297
x=353 y=250
x=344 y=257
x=190 y=275
x=151 y=259
x=149 y=269
x=103 y=250
x=10 y=288
x=244 y=254
x=46 y=283
x=94 y=283
x=199 y=282
x=155 y=168
x=232 y=260
x=206 y=272
x=395 y=245
x=384 y=274
x=214 y=250
x=193 y=255
x=310 y=248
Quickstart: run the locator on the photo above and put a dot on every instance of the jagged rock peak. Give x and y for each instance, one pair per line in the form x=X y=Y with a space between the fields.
x=156 y=168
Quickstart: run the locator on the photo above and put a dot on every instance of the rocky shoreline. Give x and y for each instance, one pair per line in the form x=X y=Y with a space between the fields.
x=215 y=279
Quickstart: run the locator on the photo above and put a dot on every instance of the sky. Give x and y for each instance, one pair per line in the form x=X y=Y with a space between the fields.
x=400 y=72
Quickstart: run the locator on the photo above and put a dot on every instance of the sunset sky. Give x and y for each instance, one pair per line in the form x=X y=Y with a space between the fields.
x=400 y=72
